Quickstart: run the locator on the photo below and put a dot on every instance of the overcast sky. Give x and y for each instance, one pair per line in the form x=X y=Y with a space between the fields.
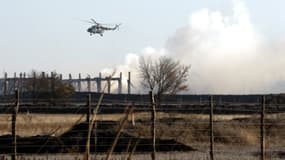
x=48 y=35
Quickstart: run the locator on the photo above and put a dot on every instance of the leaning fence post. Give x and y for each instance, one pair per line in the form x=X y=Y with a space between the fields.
x=14 y=118
x=262 y=129
x=211 y=128
x=153 y=131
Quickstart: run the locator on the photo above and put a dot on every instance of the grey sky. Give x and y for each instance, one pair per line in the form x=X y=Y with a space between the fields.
x=47 y=35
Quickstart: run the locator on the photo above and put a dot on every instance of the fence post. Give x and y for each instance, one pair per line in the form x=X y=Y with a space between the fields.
x=262 y=128
x=14 y=118
x=153 y=118
x=88 y=124
x=211 y=128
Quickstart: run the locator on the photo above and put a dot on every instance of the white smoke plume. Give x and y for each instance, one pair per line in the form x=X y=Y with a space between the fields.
x=132 y=65
x=227 y=54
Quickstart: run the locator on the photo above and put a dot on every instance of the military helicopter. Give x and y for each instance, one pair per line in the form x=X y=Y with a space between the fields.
x=99 y=28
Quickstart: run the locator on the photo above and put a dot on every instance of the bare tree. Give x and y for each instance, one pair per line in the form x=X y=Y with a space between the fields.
x=165 y=75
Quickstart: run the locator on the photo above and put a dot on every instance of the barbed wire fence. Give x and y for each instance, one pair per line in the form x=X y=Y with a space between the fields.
x=211 y=130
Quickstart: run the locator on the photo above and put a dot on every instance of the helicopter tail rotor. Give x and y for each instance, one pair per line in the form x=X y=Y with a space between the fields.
x=118 y=26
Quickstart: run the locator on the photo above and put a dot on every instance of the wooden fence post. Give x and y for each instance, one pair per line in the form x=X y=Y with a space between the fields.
x=14 y=118
x=153 y=119
x=262 y=129
x=88 y=124
x=211 y=128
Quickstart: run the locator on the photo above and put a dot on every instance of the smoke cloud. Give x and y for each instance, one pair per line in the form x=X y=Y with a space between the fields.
x=227 y=55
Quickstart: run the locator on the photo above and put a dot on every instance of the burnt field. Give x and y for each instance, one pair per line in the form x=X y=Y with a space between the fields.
x=235 y=136
x=59 y=128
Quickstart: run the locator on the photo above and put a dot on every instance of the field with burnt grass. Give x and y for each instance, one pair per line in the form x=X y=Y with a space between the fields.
x=179 y=136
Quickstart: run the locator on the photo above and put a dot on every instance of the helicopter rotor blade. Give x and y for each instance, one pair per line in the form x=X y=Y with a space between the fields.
x=87 y=21
x=94 y=21
x=83 y=20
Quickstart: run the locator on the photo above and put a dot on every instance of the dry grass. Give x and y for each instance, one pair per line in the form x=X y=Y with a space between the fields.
x=45 y=124
x=190 y=129
x=236 y=136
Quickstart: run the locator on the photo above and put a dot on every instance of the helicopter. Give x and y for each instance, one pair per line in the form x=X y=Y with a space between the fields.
x=99 y=28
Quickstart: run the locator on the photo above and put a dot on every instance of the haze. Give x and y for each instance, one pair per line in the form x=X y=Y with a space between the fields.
x=234 y=47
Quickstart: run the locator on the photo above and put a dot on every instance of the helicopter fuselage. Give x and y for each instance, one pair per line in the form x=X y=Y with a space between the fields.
x=95 y=29
x=99 y=28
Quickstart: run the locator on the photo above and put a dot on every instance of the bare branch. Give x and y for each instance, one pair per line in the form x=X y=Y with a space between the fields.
x=165 y=74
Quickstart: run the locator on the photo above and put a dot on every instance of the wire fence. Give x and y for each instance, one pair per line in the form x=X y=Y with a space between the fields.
x=206 y=131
